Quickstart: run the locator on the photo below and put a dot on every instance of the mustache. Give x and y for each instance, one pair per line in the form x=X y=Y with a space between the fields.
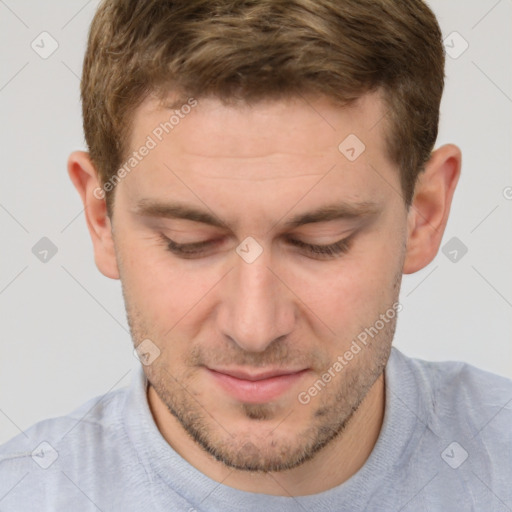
x=277 y=354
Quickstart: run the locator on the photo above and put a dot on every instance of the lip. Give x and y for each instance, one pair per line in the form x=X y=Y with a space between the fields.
x=256 y=387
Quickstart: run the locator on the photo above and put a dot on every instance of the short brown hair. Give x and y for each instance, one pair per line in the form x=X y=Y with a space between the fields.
x=251 y=50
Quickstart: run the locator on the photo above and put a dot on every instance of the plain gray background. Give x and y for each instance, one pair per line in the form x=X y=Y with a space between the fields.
x=64 y=336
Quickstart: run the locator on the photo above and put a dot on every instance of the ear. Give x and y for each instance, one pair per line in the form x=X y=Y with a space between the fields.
x=85 y=179
x=428 y=213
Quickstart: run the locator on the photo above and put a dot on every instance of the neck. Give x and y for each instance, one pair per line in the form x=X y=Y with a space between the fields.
x=332 y=466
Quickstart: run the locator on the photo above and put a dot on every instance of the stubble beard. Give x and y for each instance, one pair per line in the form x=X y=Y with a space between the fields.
x=330 y=411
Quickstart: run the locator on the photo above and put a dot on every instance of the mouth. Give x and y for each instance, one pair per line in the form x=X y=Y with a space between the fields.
x=256 y=387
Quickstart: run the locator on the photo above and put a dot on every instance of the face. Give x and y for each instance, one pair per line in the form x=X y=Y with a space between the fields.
x=247 y=311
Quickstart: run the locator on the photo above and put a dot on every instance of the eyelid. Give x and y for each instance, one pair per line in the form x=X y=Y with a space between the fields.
x=319 y=251
x=205 y=243
x=190 y=246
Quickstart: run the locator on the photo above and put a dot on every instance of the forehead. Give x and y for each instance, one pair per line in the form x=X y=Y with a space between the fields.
x=269 y=155
x=295 y=125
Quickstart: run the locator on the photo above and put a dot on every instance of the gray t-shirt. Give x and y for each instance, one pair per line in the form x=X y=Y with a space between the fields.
x=445 y=445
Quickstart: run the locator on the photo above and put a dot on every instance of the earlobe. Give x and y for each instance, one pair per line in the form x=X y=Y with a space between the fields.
x=85 y=179
x=430 y=207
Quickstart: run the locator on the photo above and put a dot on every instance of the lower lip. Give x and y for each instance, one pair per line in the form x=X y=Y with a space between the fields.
x=257 y=391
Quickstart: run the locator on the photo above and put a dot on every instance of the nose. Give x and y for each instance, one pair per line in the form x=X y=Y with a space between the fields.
x=256 y=305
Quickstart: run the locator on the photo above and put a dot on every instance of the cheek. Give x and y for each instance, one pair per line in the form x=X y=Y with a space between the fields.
x=354 y=293
x=160 y=287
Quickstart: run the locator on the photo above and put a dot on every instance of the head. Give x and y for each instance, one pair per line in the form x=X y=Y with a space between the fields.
x=227 y=142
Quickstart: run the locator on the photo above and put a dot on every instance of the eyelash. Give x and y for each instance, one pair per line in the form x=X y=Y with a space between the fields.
x=327 y=251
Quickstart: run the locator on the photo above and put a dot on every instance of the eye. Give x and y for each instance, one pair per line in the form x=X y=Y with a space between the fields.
x=330 y=251
x=186 y=250
x=196 y=249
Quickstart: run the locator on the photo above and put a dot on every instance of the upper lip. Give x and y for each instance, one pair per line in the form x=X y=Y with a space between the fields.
x=254 y=376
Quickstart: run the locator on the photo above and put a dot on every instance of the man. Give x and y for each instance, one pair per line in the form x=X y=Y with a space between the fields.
x=260 y=175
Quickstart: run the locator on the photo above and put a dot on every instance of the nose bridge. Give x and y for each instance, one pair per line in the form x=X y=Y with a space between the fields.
x=256 y=310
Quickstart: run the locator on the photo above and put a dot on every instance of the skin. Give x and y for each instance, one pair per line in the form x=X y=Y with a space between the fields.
x=254 y=167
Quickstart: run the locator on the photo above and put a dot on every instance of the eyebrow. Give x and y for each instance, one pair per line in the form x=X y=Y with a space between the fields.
x=326 y=213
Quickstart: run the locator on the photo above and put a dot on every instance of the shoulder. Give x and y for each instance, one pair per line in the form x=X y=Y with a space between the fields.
x=455 y=398
x=42 y=455
x=458 y=401
x=457 y=384
x=97 y=415
x=463 y=432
